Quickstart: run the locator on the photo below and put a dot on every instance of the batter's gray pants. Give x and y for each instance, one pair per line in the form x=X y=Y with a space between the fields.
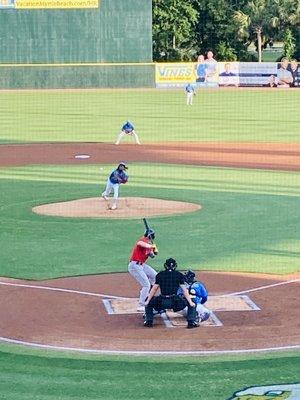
x=145 y=275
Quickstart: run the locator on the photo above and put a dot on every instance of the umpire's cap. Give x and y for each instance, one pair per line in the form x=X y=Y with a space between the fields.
x=170 y=264
x=124 y=164
x=189 y=276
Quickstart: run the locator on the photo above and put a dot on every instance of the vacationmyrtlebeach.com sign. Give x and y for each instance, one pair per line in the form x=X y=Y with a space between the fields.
x=44 y=4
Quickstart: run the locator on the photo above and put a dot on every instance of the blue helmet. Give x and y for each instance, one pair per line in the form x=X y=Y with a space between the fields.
x=150 y=233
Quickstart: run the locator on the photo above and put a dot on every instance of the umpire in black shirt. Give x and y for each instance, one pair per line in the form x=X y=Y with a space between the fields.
x=169 y=282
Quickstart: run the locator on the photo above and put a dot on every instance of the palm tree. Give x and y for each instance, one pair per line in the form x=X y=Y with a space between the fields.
x=261 y=20
x=255 y=22
x=286 y=13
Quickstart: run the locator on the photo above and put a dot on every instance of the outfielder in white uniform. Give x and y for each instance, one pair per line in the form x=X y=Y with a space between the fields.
x=190 y=93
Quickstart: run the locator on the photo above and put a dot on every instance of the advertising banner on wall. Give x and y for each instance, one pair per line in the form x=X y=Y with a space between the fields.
x=226 y=74
x=287 y=74
x=168 y=75
x=229 y=74
x=174 y=74
x=43 y=4
x=256 y=74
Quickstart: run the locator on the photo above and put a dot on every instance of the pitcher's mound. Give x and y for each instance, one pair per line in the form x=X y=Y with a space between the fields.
x=128 y=207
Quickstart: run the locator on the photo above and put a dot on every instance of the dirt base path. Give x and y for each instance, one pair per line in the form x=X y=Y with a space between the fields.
x=77 y=318
x=247 y=155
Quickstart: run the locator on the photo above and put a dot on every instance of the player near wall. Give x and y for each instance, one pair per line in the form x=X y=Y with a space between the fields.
x=190 y=93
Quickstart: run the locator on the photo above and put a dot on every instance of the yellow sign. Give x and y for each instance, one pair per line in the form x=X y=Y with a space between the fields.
x=173 y=74
x=34 y=4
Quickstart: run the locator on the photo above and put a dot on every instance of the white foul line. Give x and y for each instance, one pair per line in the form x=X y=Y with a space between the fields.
x=261 y=288
x=144 y=353
x=55 y=289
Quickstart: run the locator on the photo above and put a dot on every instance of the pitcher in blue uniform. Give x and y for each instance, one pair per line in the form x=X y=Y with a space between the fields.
x=116 y=178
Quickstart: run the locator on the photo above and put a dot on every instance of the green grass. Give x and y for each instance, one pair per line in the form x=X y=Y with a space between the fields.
x=249 y=220
x=30 y=375
x=244 y=115
x=272 y=56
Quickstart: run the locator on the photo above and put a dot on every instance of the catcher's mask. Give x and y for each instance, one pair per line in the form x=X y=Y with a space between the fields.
x=150 y=233
x=170 y=264
x=189 y=276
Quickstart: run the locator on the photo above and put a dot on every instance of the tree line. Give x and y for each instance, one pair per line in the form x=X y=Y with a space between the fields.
x=184 y=28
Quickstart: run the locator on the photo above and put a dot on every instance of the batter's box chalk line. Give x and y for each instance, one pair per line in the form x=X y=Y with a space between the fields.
x=171 y=319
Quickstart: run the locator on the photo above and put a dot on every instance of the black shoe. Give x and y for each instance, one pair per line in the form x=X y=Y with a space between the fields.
x=192 y=325
x=148 y=324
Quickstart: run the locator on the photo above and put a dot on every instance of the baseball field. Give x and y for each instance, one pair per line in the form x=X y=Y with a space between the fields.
x=235 y=156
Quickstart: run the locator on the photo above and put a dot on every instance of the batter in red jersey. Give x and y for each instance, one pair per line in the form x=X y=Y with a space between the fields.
x=137 y=267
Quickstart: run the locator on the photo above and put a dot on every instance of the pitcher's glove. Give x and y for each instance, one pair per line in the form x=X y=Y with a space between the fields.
x=124 y=179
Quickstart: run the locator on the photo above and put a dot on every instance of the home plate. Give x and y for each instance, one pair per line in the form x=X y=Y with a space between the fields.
x=214 y=303
x=178 y=319
x=82 y=156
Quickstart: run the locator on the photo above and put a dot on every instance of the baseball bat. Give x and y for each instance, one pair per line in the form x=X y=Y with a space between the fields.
x=147 y=226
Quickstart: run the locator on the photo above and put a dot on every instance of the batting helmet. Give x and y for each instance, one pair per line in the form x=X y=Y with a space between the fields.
x=170 y=264
x=150 y=233
x=189 y=276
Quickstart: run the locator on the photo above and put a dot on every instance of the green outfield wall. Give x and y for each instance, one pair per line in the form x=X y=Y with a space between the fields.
x=115 y=31
x=77 y=76
x=109 y=45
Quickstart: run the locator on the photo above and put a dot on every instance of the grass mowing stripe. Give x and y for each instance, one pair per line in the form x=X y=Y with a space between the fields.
x=159 y=115
x=66 y=378
x=162 y=176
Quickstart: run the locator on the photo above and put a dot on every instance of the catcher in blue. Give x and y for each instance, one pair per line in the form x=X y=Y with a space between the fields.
x=116 y=178
x=198 y=293
x=128 y=129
